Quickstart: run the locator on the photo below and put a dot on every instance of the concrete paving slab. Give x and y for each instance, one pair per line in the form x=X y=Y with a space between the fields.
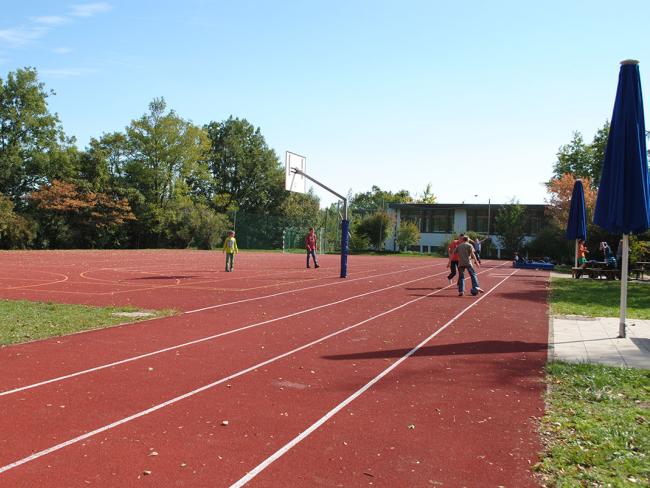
x=595 y=340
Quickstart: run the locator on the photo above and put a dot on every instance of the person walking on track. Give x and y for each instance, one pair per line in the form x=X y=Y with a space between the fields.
x=310 y=245
x=452 y=264
x=466 y=255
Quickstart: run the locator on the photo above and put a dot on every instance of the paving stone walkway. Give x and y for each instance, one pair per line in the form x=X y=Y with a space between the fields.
x=595 y=340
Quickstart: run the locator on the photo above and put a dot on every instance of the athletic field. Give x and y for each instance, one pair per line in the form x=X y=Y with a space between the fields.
x=274 y=375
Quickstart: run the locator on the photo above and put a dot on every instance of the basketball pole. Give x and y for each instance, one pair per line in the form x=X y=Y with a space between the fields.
x=345 y=223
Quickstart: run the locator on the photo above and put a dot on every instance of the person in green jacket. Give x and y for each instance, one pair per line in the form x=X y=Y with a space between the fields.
x=230 y=248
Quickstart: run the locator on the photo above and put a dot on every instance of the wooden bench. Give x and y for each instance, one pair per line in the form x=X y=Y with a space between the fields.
x=596 y=273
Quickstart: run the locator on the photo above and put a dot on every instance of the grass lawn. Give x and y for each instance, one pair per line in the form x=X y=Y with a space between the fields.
x=598 y=298
x=24 y=321
x=597 y=426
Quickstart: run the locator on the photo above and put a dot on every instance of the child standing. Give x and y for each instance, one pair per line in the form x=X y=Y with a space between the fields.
x=582 y=253
x=230 y=248
x=310 y=244
x=453 y=257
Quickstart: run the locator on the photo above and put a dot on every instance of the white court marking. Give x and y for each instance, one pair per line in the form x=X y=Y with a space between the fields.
x=289 y=445
x=208 y=338
x=189 y=394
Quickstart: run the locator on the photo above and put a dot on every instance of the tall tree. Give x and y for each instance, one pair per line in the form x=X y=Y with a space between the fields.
x=510 y=225
x=377 y=198
x=581 y=159
x=247 y=174
x=427 y=195
x=163 y=152
x=157 y=157
x=33 y=146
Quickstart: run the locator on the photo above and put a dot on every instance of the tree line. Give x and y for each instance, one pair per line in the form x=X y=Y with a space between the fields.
x=161 y=182
x=164 y=181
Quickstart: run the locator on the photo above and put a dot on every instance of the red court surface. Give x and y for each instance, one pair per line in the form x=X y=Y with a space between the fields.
x=274 y=375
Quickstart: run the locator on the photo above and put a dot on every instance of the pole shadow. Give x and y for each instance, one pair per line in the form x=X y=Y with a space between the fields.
x=461 y=348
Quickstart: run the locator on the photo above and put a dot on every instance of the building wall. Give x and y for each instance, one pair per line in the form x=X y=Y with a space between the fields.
x=430 y=240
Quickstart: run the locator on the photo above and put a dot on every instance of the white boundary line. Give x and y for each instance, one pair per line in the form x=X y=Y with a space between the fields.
x=208 y=338
x=211 y=307
x=289 y=445
x=189 y=394
x=294 y=290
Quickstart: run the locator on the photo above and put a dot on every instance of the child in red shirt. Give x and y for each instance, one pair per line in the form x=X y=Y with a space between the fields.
x=310 y=245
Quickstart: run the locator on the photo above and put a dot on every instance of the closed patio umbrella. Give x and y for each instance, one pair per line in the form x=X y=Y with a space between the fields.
x=623 y=202
x=576 y=227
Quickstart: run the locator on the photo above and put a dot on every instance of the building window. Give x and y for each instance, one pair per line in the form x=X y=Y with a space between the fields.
x=411 y=216
x=428 y=221
x=477 y=220
x=442 y=221
x=535 y=222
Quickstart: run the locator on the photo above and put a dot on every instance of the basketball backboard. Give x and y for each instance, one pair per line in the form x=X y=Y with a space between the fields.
x=295 y=182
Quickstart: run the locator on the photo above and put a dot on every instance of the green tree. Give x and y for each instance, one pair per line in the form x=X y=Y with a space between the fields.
x=581 y=159
x=191 y=224
x=510 y=226
x=376 y=227
x=247 y=174
x=160 y=157
x=15 y=230
x=408 y=235
x=163 y=152
x=301 y=210
x=111 y=152
x=33 y=146
x=427 y=195
x=358 y=242
x=377 y=198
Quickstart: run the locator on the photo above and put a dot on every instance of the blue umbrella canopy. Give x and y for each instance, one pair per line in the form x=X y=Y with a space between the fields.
x=577 y=224
x=623 y=202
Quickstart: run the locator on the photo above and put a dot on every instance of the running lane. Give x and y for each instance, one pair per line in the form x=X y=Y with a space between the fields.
x=267 y=407
x=38 y=361
x=183 y=280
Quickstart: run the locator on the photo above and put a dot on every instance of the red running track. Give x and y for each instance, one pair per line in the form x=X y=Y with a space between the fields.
x=387 y=378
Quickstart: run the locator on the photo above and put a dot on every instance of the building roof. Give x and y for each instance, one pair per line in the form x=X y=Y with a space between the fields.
x=445 y=206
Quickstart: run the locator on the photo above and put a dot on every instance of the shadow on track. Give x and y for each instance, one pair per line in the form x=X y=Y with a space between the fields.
x=461 y=348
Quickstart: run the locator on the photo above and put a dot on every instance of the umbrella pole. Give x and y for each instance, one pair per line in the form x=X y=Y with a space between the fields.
x=624 y=266
x=575 y=256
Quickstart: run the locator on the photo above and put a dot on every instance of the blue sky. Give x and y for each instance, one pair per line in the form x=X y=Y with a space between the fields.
x=475 y=98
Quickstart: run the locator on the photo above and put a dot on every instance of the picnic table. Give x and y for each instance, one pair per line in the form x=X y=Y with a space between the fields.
x=596 y=272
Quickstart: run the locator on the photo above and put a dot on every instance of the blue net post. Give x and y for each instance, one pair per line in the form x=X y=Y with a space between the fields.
x=345 y=241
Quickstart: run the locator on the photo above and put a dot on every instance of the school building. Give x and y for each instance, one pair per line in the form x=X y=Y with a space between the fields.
x=439 y=222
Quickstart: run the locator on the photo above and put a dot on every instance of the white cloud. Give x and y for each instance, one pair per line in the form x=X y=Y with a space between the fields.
x=19 y=36
x=39 y=26
x=62 y=50
x=49 y=20
x=89 y=9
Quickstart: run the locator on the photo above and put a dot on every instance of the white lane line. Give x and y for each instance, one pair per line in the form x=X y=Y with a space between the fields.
x=208 y=338
x=142 y=413
x=211 y=307
x=289 y=445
